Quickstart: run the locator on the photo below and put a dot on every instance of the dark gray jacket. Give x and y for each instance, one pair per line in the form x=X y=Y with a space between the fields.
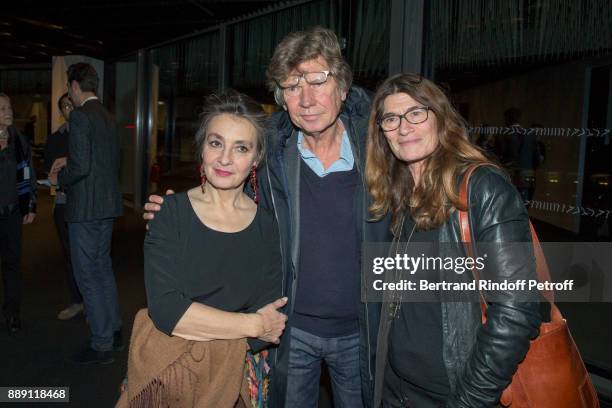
x=17 y=174
x=91 y=177
x=280 y=186
x=481 y=359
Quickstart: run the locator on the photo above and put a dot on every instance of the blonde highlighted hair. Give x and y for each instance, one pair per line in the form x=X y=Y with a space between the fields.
x=389 y=179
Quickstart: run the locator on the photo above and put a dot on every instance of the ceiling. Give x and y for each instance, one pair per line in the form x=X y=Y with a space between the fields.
x=34 y=31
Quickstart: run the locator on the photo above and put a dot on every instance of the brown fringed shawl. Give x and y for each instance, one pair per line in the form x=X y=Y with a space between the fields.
x=165 y=371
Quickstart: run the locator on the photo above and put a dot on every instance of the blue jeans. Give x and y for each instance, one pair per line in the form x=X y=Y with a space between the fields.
x=90 y=243
x=341 y=354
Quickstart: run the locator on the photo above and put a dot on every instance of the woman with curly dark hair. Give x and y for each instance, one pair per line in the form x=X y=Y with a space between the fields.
x=212 y=272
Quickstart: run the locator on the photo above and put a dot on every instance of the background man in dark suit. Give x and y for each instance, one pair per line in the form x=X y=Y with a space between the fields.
x=90 y=176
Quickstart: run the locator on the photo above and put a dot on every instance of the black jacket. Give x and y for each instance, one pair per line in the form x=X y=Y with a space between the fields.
x=279 y=184
x=481 y=359
x=18 y=175
x=92 y=173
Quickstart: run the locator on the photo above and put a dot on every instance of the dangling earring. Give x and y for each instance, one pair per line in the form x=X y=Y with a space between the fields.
x=253 y=180
x=202 y=178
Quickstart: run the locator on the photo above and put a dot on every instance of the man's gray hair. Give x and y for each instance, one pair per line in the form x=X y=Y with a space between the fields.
x=302 y=46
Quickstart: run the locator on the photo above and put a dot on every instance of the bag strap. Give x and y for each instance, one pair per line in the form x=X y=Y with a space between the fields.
x=542 y=271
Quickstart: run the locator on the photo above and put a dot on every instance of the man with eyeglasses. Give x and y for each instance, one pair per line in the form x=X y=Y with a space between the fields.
x=313 y=180
x=56 y=152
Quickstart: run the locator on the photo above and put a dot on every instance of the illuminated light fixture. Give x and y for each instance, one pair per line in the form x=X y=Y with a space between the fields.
x=553 y=180
x=41 y=24
x=5 y=34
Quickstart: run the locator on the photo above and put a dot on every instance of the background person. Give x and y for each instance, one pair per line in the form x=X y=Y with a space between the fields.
x=57 y=148
x=91 y=180
x=438 y=353
x=17 y=207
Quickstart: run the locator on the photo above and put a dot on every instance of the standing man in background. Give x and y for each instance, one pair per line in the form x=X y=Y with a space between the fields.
x=91 y=178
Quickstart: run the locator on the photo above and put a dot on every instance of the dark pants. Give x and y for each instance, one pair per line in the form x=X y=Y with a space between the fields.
x=90 y=243
x=341 y=354
x=398 y=393
x=10 y=253
x=62 y=231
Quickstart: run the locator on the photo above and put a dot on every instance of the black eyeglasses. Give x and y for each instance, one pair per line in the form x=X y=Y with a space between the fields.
x=415 y=116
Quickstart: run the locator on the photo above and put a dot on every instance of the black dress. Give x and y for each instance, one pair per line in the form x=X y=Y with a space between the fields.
x=186 y=262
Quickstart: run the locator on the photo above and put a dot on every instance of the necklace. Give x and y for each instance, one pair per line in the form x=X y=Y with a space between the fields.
x=397 y=298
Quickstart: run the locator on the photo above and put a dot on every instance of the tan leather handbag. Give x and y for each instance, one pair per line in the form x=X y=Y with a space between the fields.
x=552 y=375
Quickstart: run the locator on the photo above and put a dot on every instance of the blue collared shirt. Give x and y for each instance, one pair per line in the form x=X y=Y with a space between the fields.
x=344 y=163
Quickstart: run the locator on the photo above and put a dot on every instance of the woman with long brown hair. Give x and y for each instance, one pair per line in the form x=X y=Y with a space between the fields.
x=438 y=353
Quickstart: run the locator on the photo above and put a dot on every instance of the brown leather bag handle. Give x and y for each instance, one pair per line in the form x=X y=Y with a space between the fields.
x=542 y=271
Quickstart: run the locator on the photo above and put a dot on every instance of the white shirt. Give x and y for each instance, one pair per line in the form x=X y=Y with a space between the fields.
x=89 y=99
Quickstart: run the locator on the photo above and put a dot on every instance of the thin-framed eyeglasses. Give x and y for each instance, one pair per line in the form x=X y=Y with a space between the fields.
x=392 y=121
x=311 y=78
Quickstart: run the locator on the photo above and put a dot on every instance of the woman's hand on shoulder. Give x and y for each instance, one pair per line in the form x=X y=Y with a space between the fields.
x=270 y=322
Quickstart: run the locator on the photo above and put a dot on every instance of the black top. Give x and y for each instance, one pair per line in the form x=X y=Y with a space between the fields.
x=185 y=262
x=17 y=176
x=8 y=174
x=327 y=296
x=56 y=146
x=415 y=340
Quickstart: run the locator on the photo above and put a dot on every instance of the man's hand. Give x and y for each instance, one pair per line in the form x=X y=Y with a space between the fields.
x=273 y=321
x=28 y=218
x=154 y=205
